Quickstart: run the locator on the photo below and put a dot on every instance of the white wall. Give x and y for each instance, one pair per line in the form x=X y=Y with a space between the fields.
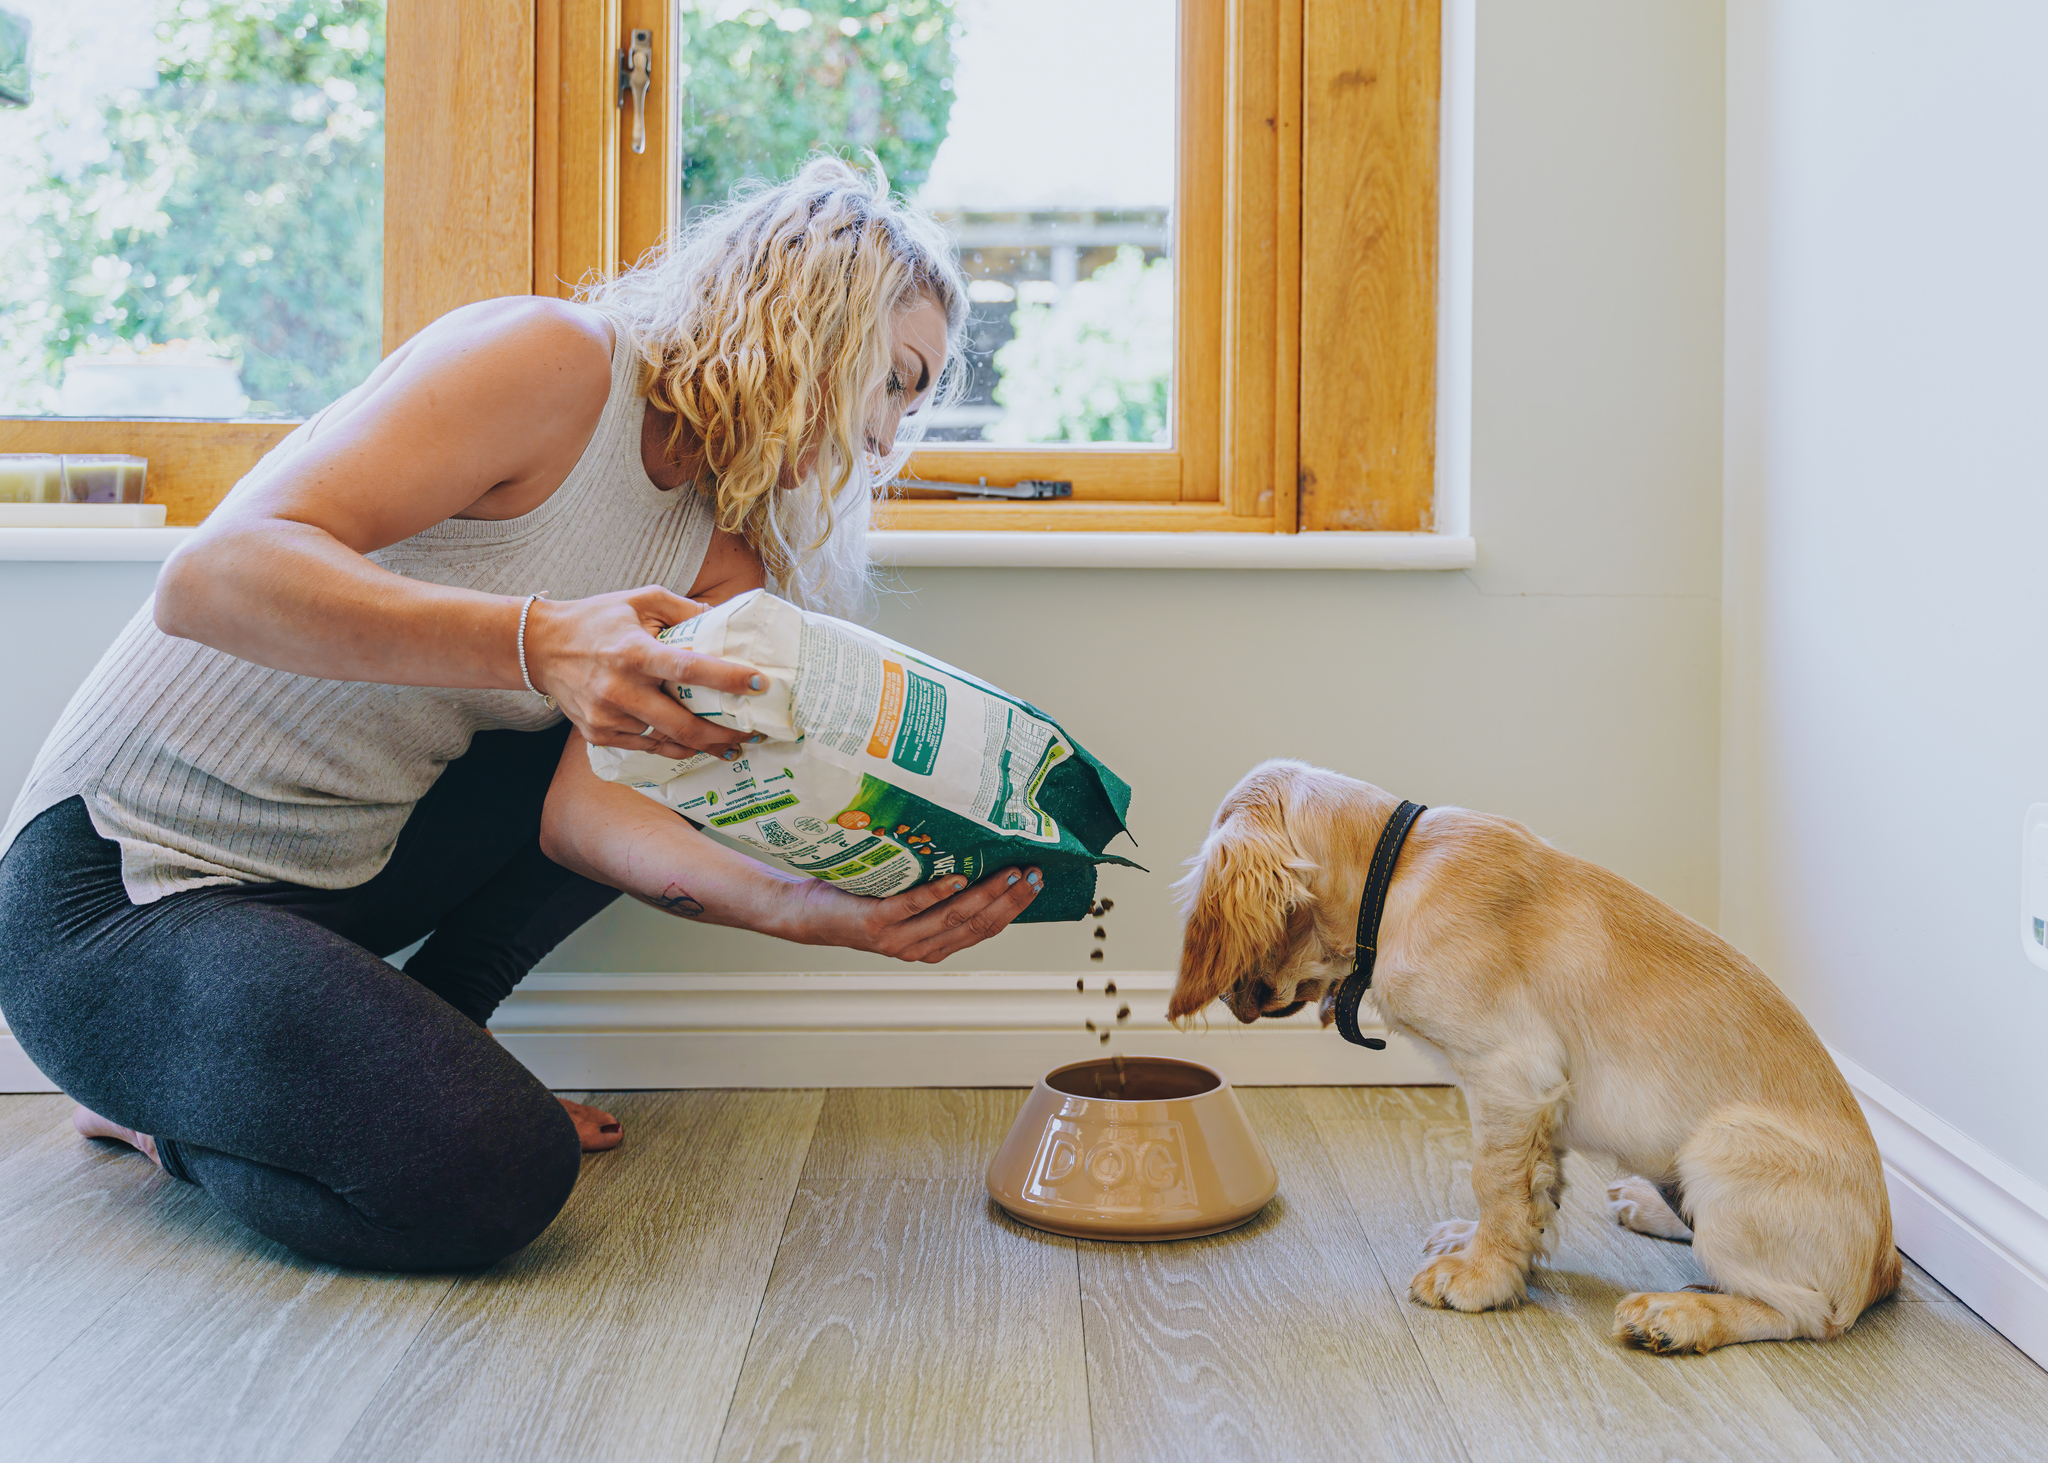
x=1570 y=680
x=1887 y=505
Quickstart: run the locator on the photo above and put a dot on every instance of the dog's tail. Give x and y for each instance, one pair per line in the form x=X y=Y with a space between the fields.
x=1887 y=1273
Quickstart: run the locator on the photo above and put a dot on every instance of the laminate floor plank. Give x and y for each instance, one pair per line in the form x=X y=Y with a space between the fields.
x=617 y=1335
x=27 y=1116
x=1916 y=1380
x=229 y=1347
x=82 y=1223
x=1547 y=1380
x=1277 y=1340
x=908 y=1318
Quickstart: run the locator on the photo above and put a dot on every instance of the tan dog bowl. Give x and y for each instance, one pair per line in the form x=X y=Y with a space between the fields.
x=1159 y=1149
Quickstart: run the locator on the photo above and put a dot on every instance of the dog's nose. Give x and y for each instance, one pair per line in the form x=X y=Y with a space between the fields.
x=1248 y=1001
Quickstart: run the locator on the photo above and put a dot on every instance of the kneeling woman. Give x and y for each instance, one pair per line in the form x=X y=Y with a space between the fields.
x=348 y=723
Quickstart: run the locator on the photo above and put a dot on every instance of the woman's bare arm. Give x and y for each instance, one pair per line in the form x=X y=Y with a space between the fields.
x=481 y=415
x=626 y=840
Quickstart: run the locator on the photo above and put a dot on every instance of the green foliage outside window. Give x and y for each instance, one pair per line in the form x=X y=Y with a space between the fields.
x=1098 y=365
x=237 y=205
x=766 y=85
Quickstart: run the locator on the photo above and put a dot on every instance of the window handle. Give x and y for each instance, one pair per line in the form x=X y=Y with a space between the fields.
x=636 y=71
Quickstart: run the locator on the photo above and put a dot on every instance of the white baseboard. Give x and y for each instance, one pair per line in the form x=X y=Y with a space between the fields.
x=912 y=1030
x=1964 y=1215
x=977 y=1030
x=17 y=1072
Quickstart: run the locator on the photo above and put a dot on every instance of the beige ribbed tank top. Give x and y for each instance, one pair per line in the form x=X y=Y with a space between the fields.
x=206 y=769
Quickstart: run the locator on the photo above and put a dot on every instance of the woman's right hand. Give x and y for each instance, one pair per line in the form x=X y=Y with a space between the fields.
x=600 y=660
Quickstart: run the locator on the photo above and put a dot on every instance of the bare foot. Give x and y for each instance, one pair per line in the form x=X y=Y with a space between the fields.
x=597 y=1130
x=91 y=1125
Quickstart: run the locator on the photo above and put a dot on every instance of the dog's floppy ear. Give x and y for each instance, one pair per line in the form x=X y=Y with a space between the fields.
x=1240 y=894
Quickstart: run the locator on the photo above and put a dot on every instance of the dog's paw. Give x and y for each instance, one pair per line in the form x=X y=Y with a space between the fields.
x=1449 y=1237
x=1636 y=1203
x=1458 y=1282
x=1671 y=1323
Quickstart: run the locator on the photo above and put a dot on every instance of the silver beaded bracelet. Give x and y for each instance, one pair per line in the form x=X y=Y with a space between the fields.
x=525 y=610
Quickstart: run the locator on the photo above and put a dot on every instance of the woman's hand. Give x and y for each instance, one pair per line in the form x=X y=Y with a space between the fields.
x=926 y=924
x=600 y=660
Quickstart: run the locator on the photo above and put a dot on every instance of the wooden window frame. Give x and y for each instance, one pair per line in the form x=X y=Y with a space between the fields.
x=1307 y=173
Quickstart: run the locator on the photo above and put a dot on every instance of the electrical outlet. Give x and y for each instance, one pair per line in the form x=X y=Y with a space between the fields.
x=2034 y=885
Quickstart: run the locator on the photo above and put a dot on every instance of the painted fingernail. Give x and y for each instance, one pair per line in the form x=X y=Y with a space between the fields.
x=958 y=885
x=757 y=737
x=1036 y=879
x=757 y=684
x=731 y=754
x=1013 y=878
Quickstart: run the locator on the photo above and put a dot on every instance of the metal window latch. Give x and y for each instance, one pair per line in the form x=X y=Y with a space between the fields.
x=636 y=72
x=1030 y=488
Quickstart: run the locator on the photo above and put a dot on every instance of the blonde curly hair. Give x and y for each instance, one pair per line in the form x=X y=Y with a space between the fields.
x=764 y=326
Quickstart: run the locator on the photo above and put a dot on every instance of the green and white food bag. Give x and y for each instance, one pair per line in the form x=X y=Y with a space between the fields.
x=883 y=768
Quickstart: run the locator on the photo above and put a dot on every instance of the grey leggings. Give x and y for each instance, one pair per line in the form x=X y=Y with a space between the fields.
x=354 y=1112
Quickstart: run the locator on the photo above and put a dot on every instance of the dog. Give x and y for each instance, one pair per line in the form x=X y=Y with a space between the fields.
x=1578 y=1012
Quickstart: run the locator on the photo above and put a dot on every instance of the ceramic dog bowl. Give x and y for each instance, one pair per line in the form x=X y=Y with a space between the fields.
x=1160 y=1149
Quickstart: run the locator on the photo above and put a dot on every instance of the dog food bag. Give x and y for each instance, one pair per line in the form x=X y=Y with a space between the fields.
x=883 y=768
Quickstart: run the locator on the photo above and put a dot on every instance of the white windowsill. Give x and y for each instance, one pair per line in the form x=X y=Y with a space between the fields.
x=90 y=545
x=900 y=549
x=1022 y=549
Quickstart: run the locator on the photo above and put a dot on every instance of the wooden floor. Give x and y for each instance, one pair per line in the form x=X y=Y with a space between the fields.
x=820 y=1275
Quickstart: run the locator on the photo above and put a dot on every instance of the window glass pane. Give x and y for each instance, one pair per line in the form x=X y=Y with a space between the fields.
x=196 y=215
x=1042 y=131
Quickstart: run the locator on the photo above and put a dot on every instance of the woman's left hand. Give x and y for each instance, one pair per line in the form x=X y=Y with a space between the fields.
x=927 y=924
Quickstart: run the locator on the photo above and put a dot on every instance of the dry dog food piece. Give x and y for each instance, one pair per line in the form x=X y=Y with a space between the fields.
x=1105 y=1038
x=1080 y=985
x=1123 y=1013
x=1101 y=933
x=1094 y=954
x=1108 y=905
x=878 y=768
x=1109 y=989
x=1089 y=1024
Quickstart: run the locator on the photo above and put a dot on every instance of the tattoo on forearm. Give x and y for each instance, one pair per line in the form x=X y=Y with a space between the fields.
x=676 y=900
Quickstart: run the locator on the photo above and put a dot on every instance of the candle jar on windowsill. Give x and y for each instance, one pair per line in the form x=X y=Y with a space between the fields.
x=104 y=477
x=31 y=477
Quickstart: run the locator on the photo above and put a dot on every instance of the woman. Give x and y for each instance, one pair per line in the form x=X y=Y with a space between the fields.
x=349 y=721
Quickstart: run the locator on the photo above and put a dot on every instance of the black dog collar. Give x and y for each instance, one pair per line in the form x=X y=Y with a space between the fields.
x=1385 y=854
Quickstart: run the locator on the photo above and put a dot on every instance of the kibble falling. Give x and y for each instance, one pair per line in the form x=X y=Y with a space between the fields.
x=1104 y=1086
x=1096 y=910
